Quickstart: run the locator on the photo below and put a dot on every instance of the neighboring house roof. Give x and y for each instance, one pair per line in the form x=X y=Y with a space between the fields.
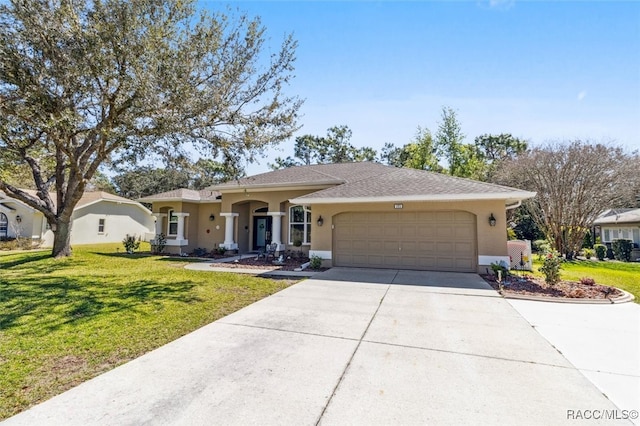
x=183 y=194
x=615 y=216
x=87 y=199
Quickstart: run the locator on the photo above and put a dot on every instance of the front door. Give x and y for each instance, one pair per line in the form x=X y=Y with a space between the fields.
x=261 y=231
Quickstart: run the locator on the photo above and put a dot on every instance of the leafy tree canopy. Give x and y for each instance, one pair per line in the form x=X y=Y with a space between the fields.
x=332 y=148
x=85 y=83
x=147 y=180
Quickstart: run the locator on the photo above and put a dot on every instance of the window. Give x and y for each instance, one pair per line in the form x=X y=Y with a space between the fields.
x=3 y=225
x=100 y=226
x=636 y=236
x=173 y=223
x=299 y=225
x=607 y=235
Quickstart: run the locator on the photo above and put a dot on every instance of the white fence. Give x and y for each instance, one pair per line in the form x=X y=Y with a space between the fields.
x=520 y=255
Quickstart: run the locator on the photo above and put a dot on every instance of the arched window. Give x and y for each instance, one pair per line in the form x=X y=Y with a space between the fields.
x=4 y=222
x=299 y=224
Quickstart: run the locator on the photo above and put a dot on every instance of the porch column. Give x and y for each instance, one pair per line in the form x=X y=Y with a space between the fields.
x=158 y=225
x=229 y=242
x=180 y=232
x=276 y=229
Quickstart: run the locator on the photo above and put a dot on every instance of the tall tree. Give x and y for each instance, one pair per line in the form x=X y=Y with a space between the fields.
x=493 y=149
x=82 y=83
x=335 y=147
x=142 y=181
x=575 y=182
x=448 y=141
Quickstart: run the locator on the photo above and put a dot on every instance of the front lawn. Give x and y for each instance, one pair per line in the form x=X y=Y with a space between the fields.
x=612 y=273
x=65 y=321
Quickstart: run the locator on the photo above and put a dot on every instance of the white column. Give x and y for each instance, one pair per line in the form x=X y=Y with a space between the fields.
x=276 y=229
x=229 y=242
x=158 y=217
x=180 y=232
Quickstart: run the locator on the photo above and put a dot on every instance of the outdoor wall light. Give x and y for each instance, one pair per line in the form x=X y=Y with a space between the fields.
x=320 y=221
x=18 y=218
x=212 y=217
x=492 y=220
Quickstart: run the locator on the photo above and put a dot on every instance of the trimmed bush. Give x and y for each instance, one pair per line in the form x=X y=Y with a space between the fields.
x=315 y=262
x=551 y=268
x=131 y=243
x=158 y=244
x=622 y=250
x=601 y=251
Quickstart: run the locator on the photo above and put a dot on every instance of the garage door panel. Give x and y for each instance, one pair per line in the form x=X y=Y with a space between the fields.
x=442 y=240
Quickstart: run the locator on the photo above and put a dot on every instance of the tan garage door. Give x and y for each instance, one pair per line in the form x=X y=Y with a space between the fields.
x=435 y=241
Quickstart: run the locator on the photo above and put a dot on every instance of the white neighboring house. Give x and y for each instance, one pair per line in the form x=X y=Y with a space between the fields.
x=99 y=217
x=619 y=224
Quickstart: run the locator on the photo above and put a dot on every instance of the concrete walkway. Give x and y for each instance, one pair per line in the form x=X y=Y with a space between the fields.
x=602 y=341
x=348 y=346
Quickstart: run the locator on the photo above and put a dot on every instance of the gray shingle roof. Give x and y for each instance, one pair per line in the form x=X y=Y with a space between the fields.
x=317 y=174
x=410 y=182
x=353 y=182
x=182 y=194
x=619 y=216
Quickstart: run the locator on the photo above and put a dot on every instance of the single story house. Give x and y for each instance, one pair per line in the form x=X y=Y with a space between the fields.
x=350 y=214
x=99 y=217
x=619 y=224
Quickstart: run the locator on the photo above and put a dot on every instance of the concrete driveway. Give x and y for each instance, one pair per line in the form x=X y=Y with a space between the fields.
x=350 y=346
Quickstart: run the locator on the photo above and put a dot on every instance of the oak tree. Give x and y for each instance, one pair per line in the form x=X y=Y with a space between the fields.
x=86 y=82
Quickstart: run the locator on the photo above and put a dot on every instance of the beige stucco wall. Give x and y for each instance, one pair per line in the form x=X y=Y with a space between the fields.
x=196 y=224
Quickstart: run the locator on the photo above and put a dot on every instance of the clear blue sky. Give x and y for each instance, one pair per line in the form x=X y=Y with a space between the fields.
x=539 y=70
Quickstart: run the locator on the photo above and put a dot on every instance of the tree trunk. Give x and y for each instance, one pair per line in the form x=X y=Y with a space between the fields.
x=62 y=239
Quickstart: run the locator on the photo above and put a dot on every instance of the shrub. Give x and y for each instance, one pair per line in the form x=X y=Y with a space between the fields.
x=588 y=253
x=501 y=266
x=511 y=234
x=158 y=244
x=17 y=244
x=622 y=250
x=601 y=251
x=587 y=281
x=541 y=245
x=221 y=250
x=551 y=267
x=131 y=243
x=315 y=262
x=587 y=243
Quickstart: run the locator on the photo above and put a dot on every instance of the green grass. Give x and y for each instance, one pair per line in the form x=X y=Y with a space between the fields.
x=65 y=321
x=612 y=273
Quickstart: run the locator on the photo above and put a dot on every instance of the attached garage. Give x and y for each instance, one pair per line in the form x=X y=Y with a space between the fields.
x=422 y=240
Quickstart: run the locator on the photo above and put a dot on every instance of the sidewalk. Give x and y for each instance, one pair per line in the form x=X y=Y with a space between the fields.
x=601 y=341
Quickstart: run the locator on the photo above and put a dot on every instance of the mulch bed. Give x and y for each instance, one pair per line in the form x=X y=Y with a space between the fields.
x=252 y=263
x=532 y=286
